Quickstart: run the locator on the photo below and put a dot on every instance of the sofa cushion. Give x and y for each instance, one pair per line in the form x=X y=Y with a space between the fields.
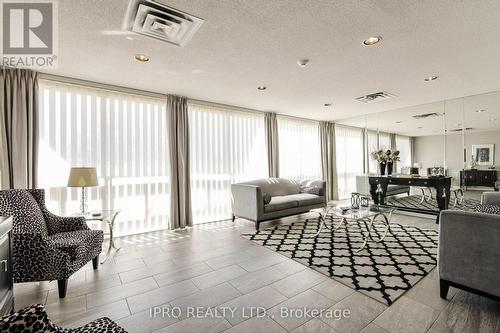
x=77 y=242
x=276 y=186
x=280 y=203
x=306 y=199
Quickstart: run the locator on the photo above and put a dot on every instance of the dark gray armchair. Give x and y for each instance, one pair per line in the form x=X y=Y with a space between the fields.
x=47 y=247
x=469 y=248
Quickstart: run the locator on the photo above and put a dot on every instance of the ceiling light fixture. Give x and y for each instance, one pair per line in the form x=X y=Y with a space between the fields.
x=261 y=88
x=141 y=57
x=480 y=110
x=303 y=63
x=372 y=40
x=327 y=104
x=431 y=78
x=398 y=122
x=419 y=127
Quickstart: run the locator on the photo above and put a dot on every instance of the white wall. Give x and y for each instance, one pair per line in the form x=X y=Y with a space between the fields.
x=429 y=150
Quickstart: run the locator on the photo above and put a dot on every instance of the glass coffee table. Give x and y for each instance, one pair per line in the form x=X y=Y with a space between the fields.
x=368 y=215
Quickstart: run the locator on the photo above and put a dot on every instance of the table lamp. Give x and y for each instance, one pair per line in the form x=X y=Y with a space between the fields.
x=82 y=177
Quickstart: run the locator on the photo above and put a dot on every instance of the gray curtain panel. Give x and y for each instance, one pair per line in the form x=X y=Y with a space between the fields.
x=393 y=148
x=18 y=128
x=178 y=127
x=328 y=160
x=271 y=124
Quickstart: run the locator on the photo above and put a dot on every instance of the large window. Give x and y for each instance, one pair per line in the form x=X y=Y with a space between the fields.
x=384 y=141
x=226 y=146
x=403 y=144
x=123 y=135
x=349 y=144
x=299 y=149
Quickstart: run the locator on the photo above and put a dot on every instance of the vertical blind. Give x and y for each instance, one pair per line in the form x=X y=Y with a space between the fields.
x=384 y=140
x=299 y=149
x=226 y=146
x=123 y=135
x=372 y=145
x=349 y=145
x=403 y=144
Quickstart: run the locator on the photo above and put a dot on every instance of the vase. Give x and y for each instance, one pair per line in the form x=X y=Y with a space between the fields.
x=389 y=168
x=382 y=168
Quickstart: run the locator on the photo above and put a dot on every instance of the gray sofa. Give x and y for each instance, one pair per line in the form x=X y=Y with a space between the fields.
x=286 y=197
x=469 y=248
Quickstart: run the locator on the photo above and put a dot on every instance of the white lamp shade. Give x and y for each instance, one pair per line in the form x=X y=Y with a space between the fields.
x=82 y=177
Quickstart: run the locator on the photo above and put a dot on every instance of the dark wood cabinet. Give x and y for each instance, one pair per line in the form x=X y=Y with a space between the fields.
x=475 y=177
x=6 y=285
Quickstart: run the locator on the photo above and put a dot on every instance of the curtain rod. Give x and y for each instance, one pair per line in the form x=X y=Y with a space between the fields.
x=115 y=88
x=104 y=86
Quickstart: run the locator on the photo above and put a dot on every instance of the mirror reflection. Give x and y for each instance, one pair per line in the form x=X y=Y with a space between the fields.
x=430 y=157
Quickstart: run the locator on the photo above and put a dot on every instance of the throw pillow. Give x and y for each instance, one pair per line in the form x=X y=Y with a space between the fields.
x=311 y=190
x=267 y=198
x=488 y=209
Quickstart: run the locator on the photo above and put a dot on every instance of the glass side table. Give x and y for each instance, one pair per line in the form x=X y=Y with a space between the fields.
x=109 y=217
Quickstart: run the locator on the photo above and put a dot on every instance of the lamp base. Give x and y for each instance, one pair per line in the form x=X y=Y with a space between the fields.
x=83 y=205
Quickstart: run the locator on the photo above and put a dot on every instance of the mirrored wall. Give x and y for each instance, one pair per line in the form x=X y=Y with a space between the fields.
x=458 y=137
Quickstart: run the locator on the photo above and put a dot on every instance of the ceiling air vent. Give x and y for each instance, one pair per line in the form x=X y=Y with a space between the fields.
x=376 y=97
x=460 y=130
x=155 y=20
x=426 y=115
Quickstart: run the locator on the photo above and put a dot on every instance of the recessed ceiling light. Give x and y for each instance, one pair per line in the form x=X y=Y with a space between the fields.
x=372 y=40
x=303 y=63
x=419 y=127
x=480 y=111
x=141 y=57
x=431 y=78
x=261 y=88
x=398 y=122
x=130 y=38
x=327 y=104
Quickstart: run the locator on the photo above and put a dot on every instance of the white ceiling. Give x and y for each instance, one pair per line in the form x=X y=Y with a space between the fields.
x=455 y=114
x=246 y=43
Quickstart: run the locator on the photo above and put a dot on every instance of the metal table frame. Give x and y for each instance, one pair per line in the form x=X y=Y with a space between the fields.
x=385 y=216
x=109 y=217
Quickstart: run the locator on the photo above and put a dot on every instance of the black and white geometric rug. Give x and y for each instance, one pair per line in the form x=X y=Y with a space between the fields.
x=383 y=271
x=413 y=201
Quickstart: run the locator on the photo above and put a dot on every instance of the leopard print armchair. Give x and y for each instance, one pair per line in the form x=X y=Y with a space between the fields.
x=34 y=319
x=47 y=247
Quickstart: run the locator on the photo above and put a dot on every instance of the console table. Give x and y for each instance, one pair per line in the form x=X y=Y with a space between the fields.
x=474 y=177
x=378 y=190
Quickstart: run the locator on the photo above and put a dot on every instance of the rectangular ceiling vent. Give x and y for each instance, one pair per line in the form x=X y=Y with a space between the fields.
x=460 y=129
x=156 y=20
x=376 y=97
x=426 y=115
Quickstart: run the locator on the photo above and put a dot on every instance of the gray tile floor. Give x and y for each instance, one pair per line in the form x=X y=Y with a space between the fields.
x=212 y=266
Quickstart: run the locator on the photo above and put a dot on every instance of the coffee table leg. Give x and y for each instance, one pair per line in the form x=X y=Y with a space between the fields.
x=369 y=228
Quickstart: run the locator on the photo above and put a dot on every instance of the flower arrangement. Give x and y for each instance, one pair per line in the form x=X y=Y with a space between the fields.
x=384 y=156
x=379 y=155
x=393 y=156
